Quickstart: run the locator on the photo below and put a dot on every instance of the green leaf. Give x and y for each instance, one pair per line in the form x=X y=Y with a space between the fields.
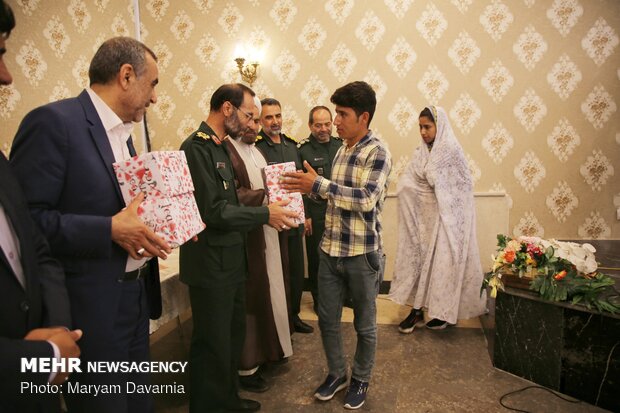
x=543 y=287
x=561 y=293
x=549 y=252
x=502 y=240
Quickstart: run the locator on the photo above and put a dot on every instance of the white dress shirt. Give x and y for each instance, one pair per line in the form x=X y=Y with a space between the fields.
x=118 y=133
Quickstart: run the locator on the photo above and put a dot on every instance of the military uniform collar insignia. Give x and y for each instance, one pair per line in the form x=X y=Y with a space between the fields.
x=303 y=142
x=206 y=137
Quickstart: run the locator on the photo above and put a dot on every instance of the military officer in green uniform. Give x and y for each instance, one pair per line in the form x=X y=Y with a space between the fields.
x=278 y=148
x=215 y=266
x=319 y=150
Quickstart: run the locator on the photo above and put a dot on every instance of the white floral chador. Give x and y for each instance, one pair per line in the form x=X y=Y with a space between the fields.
x=438 y=263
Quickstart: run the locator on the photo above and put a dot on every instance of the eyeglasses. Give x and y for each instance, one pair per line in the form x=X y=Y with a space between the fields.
x=248 y=116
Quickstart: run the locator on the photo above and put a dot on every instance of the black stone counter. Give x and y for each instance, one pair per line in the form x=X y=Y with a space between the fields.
x=561 y=346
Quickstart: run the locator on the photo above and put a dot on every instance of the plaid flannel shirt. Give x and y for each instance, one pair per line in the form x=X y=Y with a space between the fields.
x=355 y=197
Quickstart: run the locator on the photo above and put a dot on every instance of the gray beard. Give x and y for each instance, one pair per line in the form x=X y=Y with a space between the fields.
x=274 y=133
x=319 y=139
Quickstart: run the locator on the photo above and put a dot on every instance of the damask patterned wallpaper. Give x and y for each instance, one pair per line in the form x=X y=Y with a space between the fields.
x=531 y=86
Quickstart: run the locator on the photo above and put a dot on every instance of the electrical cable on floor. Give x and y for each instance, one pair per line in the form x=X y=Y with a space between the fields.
x=501 y=399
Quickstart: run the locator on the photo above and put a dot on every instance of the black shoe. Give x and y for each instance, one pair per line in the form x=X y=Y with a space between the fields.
x=436 y=324
x=301 y=327
x=254 y=383
x=413 y=320
x=246 y=405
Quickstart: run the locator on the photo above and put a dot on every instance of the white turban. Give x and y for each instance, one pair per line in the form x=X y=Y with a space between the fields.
x=258 y=105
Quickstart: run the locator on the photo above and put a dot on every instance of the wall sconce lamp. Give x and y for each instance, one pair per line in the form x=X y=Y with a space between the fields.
x=249 y=71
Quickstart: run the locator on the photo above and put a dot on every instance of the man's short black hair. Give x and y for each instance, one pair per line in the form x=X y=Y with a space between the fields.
x=114 y=53
x=7 y=19
x=230 y=92
x=270 y=102
x=314 y=109
x=358 y=96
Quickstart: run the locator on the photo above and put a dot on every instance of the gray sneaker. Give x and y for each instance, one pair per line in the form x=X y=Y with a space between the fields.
x=330 y=387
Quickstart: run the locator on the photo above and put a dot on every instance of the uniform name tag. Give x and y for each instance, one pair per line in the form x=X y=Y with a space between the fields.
x=220 y=165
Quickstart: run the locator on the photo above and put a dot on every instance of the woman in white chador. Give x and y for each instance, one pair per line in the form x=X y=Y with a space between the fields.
x=437 y=264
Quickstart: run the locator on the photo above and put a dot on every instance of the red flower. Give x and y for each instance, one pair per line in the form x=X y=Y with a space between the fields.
x=560 y=275
x=534 y=250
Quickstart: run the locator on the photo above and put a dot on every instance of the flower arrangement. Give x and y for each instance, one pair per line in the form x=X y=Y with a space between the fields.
x=558 y=271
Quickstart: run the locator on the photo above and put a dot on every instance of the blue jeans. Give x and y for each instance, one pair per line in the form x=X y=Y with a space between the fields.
x=360 y=277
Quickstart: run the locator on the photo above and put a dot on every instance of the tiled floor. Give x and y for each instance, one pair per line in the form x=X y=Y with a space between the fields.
x=427 y=371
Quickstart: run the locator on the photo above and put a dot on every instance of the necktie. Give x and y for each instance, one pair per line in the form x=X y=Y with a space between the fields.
x=132 y=150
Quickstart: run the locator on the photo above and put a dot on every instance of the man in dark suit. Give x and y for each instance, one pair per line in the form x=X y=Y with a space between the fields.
x=63 y=154
x=32 y=291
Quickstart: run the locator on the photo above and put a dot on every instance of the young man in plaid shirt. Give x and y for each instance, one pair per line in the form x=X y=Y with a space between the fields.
x=350 y=257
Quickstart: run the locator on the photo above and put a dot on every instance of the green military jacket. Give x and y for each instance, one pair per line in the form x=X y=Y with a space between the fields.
x=218 y=258
x=285 y=151
x=320 y=156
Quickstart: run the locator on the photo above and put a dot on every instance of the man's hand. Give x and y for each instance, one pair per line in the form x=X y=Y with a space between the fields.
x=135 y=237
x=308 y=227
x=299 y=181
x=281 y=218
x=64 y=339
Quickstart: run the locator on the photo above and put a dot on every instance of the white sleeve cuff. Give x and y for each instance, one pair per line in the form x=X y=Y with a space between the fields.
x=57 y=357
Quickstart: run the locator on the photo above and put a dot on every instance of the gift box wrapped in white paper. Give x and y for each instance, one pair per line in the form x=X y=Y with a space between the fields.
x=169 y=207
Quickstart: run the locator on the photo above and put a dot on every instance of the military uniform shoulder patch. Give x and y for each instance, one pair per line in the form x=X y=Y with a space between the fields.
x=303 y=142
x=290 y=139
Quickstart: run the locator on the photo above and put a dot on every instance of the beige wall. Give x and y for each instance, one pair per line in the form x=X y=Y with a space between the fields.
x=531 y=86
